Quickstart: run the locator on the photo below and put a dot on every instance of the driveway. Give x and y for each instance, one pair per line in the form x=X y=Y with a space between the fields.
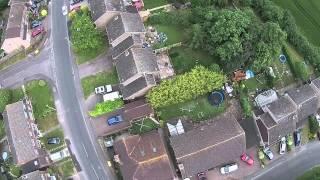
x=102 y=128
x=101 y=63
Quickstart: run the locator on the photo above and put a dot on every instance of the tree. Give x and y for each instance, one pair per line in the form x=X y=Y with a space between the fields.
x=313 y=125
x=3 y=4
x=5 y=97
x=84 y=36
x=273 y=36
x=185 y=87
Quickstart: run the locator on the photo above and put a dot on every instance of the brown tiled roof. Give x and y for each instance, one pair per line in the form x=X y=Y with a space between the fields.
x=144 y=157
x=209 y=146
x=137 y=110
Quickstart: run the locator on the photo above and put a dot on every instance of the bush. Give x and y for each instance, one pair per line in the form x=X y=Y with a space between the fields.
x=5 y=97
x=313 y=125
x=42 y=83
x=106 y=107
x=185 y=87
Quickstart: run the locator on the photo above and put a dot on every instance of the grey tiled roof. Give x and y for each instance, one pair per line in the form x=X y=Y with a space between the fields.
x=20 y=135
x=133 y=40
x=302 y=94
x=144 y=157
x=98 y=8
x=209 y=146
x=141 y=83
x=267 y=120
x=135 y=61
x=124 y=23
x=35 y=175
x=281 y=108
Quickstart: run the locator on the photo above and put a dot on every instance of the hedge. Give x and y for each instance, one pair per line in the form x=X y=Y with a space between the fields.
x=106 y=107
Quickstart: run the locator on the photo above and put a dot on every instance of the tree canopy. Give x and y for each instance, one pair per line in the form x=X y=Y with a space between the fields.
x=84 y=35
x=185 y=87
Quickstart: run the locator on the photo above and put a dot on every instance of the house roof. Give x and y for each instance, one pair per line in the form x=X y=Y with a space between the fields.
x=222 y=141
x=35 y=175
x=126 y=44
x=15 y=20
x=302 y=94
x=144 y=157
x=282 y=129
x=20 y=135
x=136 y=110
x=99 y=7
x=136 y=61
x=316 y=83
x=281 y=108
x=266 y=97
x=145 y=81
x=124 y=23
x=267 y=120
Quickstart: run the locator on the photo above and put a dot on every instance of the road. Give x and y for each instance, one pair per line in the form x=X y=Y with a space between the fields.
x=291 y=166
x=83 y=144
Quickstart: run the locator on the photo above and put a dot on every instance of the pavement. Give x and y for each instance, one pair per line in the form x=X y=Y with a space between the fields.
x=100 y=64
x=69 y=103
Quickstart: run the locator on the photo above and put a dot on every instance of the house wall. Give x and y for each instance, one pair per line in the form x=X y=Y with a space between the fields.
x=103 y=20
x=12 y=44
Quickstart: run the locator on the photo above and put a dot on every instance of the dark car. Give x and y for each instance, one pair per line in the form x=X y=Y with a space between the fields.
x=114 y=120
x=297 y=138
x=318 y=134
x=202 y=176
x=54 y=140
x=73 y=2
x=35 y=24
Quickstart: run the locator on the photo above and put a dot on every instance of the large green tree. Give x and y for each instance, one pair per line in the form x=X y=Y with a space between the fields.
x=3 y=4
x=185 y=87
x=84 y=35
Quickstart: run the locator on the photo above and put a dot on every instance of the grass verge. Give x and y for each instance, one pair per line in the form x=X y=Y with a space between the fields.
x=43 y=104
x=313 y=174
x=197 y=109
x=54 y=147
x=100 y=79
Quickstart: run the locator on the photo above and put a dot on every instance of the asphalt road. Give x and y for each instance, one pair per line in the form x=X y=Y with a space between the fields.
x=291 y=166
x=75 y=127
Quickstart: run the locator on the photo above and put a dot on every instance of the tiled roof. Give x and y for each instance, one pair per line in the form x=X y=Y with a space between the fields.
x=145 y=81
x=144 y=157
x=281 y=108
x=136 y=110
x=302 y=94
x=15 y=20
x=133 y=40
x=222 y=141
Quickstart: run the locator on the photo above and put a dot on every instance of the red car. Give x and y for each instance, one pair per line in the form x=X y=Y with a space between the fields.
x=246 y=158
x=37 y=31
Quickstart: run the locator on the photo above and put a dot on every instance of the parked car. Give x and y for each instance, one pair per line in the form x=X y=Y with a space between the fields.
x=318 y=118
x=37 y=31
x=268 y=153
x=283 y=146
x=297 y=138
x=318 y=135
x=229 y=168
x=202 y=176
x=73 y=2
x=54 y=140
x=246 y=158
x=35 y=24
x=114 y=120
x=103 y=89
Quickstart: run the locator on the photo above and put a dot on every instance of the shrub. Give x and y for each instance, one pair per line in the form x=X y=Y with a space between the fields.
x=42 y=83
x=313 y=125
x=106 y=107
x=5 y=97
x=185 y=87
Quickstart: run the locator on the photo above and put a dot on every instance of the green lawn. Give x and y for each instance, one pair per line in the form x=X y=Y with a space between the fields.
x=198 y=109
x=149 y=4
x=64 y=168
x=103 y=78
x=306 y=13
x=16 y=95
x=184 y=59
x=143 y=126
x=54 y=147
x=43 y=104
x=2 y=129
x=174 y=34
x=313 y=174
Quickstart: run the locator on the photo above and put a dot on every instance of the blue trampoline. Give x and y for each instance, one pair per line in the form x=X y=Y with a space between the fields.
x=282 y=58
x=216 y=98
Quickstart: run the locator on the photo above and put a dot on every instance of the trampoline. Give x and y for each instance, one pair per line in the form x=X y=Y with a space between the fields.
x=282 y=58
x=216 y=98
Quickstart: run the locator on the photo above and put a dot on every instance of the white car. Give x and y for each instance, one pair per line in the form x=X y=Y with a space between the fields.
x=229 y=168
x=283 y=145
x=268 y=152
x=64 y=10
